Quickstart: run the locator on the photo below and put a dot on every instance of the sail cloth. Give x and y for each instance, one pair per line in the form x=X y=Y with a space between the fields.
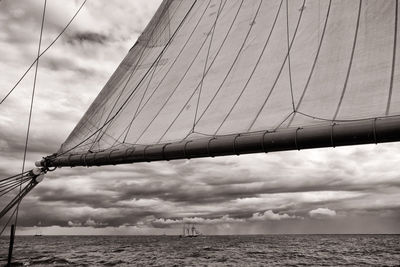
x=217 y=77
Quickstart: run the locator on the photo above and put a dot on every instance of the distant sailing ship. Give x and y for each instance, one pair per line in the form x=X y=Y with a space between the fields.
x=38 y=230
x=189 y=230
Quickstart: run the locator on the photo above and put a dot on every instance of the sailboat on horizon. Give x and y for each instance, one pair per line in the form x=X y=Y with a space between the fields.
x=189 y=230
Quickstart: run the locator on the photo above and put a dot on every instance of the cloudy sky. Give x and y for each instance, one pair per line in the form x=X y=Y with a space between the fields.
x=342 y=190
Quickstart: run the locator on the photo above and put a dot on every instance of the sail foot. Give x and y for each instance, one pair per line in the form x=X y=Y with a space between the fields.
x=378 y=130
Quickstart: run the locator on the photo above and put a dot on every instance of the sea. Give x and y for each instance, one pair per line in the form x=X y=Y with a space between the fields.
x=257 y=250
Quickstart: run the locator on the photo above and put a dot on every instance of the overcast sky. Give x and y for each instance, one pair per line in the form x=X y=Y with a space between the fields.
x=342 y=190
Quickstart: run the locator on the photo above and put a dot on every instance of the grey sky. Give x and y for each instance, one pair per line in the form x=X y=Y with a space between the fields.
x=341 y=190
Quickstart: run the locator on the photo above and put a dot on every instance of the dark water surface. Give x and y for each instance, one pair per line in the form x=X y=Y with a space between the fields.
x=284 y=250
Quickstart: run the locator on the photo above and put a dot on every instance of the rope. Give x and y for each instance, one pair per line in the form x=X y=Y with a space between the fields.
x=31 y=107
x=44 y=51
x=14 y=176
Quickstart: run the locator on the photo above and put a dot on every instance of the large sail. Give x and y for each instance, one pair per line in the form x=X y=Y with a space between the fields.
x=219 y=77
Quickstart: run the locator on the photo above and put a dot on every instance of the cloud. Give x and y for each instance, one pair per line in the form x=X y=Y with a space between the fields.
x=74 y=224
x=89 y=37
x=196 y=220
x=322 y=213
x=270 y=215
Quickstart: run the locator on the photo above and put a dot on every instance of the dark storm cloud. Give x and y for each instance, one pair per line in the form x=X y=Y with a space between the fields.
x=62 y=63
x=87 y=37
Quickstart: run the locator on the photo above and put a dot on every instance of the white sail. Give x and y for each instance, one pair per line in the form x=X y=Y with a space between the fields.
x=209 y=69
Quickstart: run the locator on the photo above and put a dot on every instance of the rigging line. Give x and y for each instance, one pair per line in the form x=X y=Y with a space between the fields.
x=343 y=120
x=172 y=64
x=140 y=102
x=280 y=71
x=350 y=63
x=44 y=51
x=137 y=87
x=314 y=63
x=254 y=69
x=232 y=65
x=223 y=82
x=11 y=188
x=187 y=70
x=113 y=78
x=288 y=47
x=31 y=106
x=17 y=199
x=393 y=60
x=8 y=189
x=206 y=62
x=158 y=59
x=12 y=182
x=285 y=119
x=134 y=69
x=8 y=221
x=141 y=80
x=14 y=176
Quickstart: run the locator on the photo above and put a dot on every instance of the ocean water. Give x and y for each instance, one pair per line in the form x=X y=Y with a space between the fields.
x=267 y=250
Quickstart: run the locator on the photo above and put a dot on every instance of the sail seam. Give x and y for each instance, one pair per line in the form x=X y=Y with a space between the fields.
x=280 y=71
x=254 y=69
x=393 y=60
x=232 y=65
x=188 y=70
x=176 y=117
x=314 y=63
x=350 y=63
x=288 y=47
x=173 y=63
x=205 y=65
